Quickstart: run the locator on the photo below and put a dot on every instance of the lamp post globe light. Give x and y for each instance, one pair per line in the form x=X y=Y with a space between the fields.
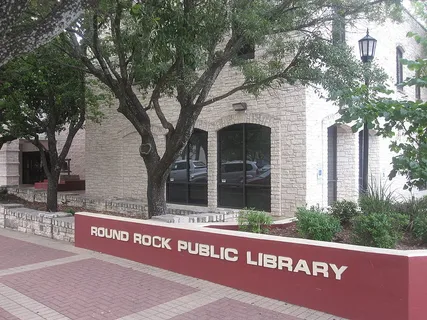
x=367 y=46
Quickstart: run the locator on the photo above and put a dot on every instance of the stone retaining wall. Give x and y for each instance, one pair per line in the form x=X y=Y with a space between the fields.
x=59 y=225
x=126 y=207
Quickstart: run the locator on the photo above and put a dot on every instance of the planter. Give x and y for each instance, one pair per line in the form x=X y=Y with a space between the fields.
x=345 y=280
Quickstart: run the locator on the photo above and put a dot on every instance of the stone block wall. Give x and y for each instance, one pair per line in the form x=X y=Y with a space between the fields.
x=50 y=225
x=63 y=228
x=76 y=152
x=127 y=208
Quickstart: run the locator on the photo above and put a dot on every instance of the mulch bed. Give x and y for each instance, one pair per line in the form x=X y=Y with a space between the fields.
x=407 y=242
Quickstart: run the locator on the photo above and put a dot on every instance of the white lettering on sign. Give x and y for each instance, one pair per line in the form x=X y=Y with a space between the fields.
x=152 y=241
x=264 y=260
x=109 y=233
x=204 y=250
x=285 y=263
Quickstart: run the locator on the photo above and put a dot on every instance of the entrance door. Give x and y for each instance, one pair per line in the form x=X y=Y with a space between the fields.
x=32 y=169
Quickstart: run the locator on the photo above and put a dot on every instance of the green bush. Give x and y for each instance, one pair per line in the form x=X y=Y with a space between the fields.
x=70 y=211
x=379 y=198
x=420 y=228
x=412 y=207
x=381 y=230
x=344 y=211
x=254 y=221
x=317 y=225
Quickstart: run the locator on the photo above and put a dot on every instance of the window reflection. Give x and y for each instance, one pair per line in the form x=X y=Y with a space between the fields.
x=187 y=181
x=245 y=172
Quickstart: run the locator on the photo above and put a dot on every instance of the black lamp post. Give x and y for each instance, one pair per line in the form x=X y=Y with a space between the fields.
x=367 y=46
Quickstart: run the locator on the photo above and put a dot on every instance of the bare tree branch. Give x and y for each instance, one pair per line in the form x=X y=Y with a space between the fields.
x=247 y=86
x=117 y=39
x=17 y=39
x=155 y=96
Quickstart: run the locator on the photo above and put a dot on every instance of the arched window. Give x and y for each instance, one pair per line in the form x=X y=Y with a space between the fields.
x=187 y=183
x=244 y=167
x=399 y=67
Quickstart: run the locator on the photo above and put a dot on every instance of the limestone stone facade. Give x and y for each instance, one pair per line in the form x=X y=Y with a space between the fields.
x=298 y=119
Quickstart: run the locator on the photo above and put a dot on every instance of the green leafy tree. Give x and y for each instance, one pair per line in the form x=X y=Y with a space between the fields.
x=403 y=121
x=39 y=95
x=178 y=48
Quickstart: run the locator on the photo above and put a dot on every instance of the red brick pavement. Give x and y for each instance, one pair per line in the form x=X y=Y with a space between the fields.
x=229 y=309
x=94 y=289
x=16 y=253
x=4 y=315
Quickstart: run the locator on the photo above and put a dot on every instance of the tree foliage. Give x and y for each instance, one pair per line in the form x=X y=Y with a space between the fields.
x=403 y=121
x=178 y=48
x=26 y=25
x=44 y=94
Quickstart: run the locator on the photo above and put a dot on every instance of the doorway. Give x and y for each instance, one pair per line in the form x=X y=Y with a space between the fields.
x=32 y=168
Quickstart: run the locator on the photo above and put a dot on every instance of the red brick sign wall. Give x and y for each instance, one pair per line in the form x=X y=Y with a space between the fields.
x=338 y=280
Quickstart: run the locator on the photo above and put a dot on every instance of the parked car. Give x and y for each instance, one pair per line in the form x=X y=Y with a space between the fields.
x=265 y=168
x=232 y=171
x=264 y=178
x=197 y=171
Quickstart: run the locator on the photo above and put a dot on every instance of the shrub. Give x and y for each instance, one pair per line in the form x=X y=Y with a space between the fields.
x=254 y=221
x=412 y=207
x=70 y=211
x=420 y=228
x=379 y=198
x=381 y=230
x=344 y=211
x=317 y=225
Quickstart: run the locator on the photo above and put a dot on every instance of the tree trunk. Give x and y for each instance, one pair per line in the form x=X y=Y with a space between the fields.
x=52 y=193
x=156 y=188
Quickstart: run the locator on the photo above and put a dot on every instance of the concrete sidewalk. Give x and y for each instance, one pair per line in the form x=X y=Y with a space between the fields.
x=47 y=279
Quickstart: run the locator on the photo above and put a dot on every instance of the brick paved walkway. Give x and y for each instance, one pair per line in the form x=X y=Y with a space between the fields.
x=45 y=279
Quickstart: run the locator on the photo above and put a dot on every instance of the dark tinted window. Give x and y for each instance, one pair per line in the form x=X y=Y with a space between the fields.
x=180 y=166
x=187 y=183
x=332 y=165
x=233 y=167
x=244 y=185
x=198 y=164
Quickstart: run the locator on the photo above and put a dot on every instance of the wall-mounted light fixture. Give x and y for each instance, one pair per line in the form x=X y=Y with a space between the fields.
x=241 y=106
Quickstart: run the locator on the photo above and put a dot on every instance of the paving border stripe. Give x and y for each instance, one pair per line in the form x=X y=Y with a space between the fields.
x=44 y=264
x=42 y=241
x=173 y=308
x=26 y=308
